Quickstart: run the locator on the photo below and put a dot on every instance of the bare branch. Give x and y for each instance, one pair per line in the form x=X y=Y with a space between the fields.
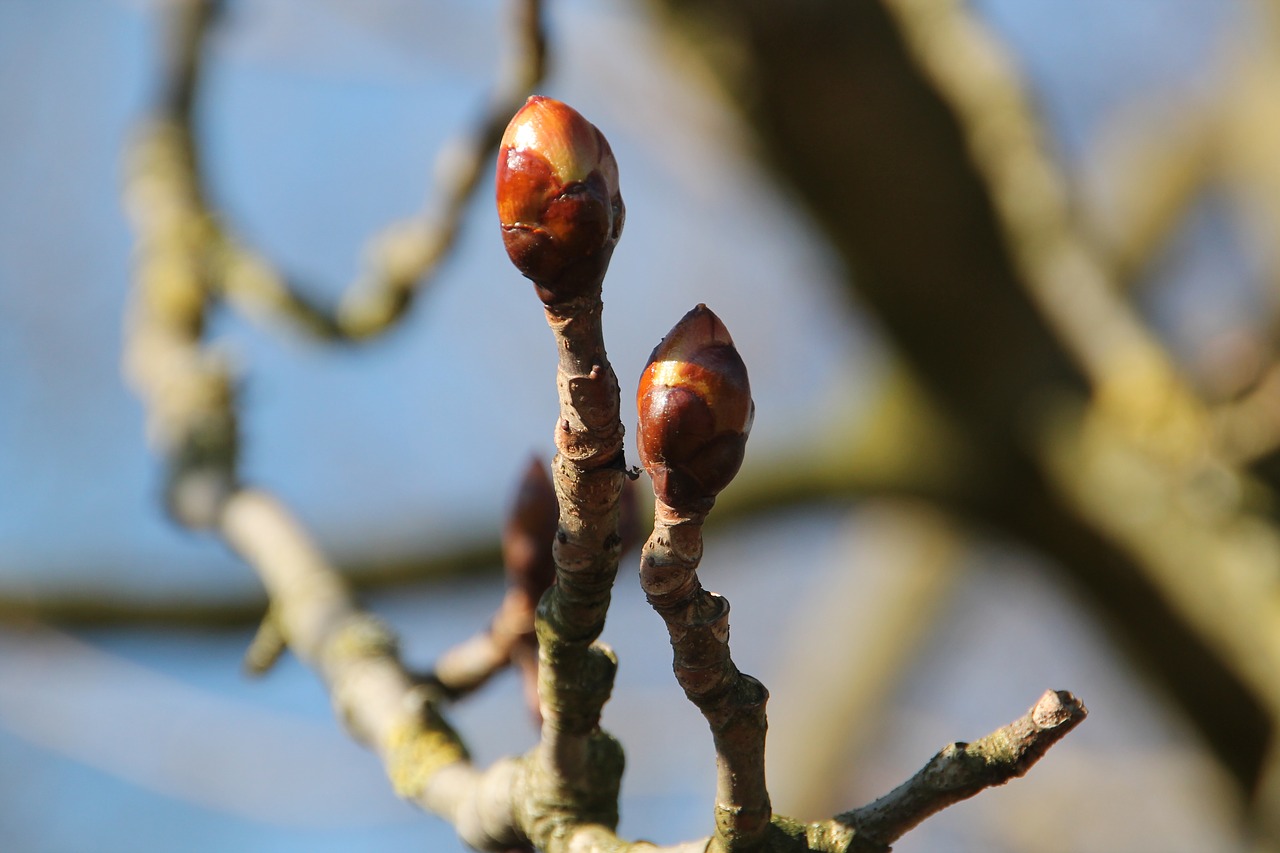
x=401 y=259
x=575 y=673
x=963 y=769
x=732 y=702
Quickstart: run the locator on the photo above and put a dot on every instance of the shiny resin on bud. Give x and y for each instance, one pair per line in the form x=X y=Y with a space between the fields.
x=558 y=199
x=695 y=412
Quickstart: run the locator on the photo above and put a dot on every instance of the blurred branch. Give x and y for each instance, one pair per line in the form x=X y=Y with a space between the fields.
x=920 y=159
x=1145 y=440
x=403 y=258
x=1069 y=285
x=892 y=573
x=95 y=607
x=1150 y=168
x=900 y=444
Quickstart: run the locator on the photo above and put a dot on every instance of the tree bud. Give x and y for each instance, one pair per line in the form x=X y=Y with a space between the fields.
x=530 y=529
x=695 y=412
x=558 y=199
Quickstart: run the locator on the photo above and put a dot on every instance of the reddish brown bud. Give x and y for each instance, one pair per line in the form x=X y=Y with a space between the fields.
x=528 y=534
x=558 y=199
x=695 y=412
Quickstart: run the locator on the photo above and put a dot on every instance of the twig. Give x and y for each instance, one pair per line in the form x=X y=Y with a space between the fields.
x=527 y=559
x=98 y=607
x=732 y=702
x=963 y=769
x=575 y=673
x=401 y=259
x=1063 y=274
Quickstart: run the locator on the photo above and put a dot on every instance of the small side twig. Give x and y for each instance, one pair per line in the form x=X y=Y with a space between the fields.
x=963 y=769
x=530 y=569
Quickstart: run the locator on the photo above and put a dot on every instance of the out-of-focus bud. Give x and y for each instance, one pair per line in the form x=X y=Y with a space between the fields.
x=695 y=412
x=528 y=534
x=558 y=198
x=526 y=554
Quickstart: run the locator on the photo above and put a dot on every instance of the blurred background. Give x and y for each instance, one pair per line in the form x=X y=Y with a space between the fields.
x=1015 y=408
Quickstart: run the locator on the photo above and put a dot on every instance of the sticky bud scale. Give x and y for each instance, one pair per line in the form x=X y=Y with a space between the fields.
x=696 y=411
x=559 y=205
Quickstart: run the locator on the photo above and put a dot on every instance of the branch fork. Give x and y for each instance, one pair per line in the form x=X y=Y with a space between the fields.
x=562 y=215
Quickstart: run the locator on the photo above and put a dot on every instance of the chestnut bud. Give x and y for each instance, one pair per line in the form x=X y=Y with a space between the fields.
x=695 y=412
x=558 y=199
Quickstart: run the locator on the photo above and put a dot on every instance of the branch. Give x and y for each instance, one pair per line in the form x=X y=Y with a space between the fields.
x=1011 y=324
x=353 y=652
x=83 y=606
x=963 y=769
x=562 y=214
x=732 y=702
x=404 y=257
